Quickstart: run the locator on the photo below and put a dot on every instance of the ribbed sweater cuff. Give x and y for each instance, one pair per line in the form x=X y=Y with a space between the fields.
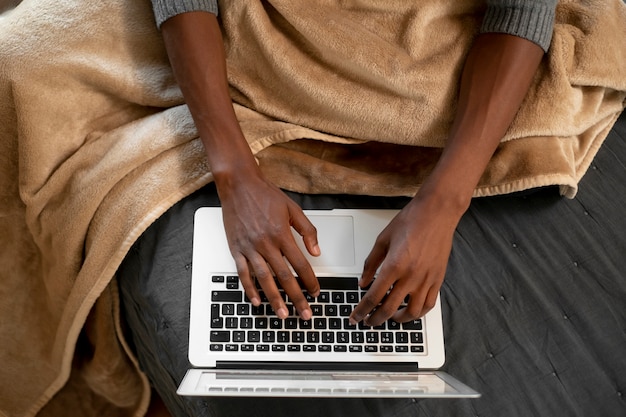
x=164 y=9
x=527 y=19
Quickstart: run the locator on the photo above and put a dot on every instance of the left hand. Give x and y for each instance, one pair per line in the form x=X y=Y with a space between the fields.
x=412 y=253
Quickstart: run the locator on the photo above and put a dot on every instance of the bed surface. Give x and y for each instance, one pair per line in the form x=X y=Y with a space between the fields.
x=534 y=302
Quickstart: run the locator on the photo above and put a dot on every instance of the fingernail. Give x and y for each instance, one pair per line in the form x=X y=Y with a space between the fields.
x=316 y=250
x=306 y=314
x=282 y=313
x=352 y=321
x=255 y=301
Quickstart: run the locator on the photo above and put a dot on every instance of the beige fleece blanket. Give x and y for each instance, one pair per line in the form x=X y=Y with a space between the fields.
x=96 y=143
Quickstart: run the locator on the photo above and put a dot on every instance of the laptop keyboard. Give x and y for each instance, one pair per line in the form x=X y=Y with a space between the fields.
x=237 y=325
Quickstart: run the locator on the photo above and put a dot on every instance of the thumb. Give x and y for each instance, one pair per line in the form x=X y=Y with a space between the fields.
x=305 y=228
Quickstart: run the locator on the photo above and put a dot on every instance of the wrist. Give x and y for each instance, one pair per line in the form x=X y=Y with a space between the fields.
x=448 y=197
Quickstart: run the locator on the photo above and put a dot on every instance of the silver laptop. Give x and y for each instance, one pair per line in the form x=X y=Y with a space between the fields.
x=237 y=349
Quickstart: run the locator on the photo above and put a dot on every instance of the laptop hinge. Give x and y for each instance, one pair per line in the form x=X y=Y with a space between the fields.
x=321 y=366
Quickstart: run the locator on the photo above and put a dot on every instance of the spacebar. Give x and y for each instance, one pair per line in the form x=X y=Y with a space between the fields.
x=338 y=283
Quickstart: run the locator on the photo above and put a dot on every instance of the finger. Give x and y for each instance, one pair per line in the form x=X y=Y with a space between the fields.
x=418 y=306
x=372 y=262
x=265 y=278
x=291 y=286
x=389 y=306
x=303 y=269
x=369 y=301
x=301 y=224
x=246 y=279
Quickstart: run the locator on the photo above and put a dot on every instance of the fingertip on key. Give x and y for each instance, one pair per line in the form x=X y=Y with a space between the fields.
x=306 y=314
x=282 y=313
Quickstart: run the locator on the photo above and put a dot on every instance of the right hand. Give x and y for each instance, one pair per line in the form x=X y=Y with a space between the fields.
x=258 y=218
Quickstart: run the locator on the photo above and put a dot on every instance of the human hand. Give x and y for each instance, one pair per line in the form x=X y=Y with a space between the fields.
x=258 y=218
x=412 y=253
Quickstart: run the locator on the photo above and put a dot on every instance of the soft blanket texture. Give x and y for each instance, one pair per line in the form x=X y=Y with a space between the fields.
x=96 y=143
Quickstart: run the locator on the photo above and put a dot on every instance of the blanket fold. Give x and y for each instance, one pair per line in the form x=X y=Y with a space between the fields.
x=96 y=143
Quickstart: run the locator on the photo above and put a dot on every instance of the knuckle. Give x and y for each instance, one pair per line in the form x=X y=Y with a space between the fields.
x=283 y=276
x=308 y=229
x=263 y=275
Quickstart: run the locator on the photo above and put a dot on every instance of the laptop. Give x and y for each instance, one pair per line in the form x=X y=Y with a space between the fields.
x=237 y=349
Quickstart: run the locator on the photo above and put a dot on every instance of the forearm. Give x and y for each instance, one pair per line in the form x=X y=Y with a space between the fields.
x=195 y=48
x=496 y=77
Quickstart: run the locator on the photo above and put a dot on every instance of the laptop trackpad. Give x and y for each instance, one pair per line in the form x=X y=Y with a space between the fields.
x=335 y=235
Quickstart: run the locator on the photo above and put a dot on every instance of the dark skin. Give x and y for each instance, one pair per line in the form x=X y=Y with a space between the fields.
x=412 y=251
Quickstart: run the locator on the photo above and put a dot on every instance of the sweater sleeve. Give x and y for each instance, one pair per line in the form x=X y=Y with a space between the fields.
x=164 y=9
x=528 y=19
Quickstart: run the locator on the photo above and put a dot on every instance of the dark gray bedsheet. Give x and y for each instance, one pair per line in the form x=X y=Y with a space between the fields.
x=534 y=304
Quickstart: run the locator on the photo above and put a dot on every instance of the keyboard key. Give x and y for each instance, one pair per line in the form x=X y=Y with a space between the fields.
x=334 y=323
x=293 y=348
x=291 y=323
x=309 y=348
x=324 y=297
x=338 y=283
x=254 y=336
x=247 y=348
x=330 y=310
x=328 y=337
x=343 y=337
x=245 y=323
x=268 y=336
x=232 y=348
x=243 y=309
x=386 y=348
x=402 y=348
x=371 y=337
x=216 y=347
x=260 y=323
x=217 y=323
x=386 y=337
x=347 y=325
x=417 y=337
x=228 y=309
x=317 y=310
x=352 y=297
x=278 y=348
x=413 y=325
x=369 y=348
x=417 y=349
x=219 y=336
x=282 y=337
x=305 y=324
x=354 y=348
x=393 y=325
x=232 y=282
x=345 y=310
x=357 y=337
x=276 y=323
x=232 y=322
x=312 y=337
x=324 y=348
x=337 y=297
x=319 y=323
x=297 y=337
x=239 y=336
x=340 y=348
x=402 y=337
x=262 y=348
x=217 y=278
x=227 y=296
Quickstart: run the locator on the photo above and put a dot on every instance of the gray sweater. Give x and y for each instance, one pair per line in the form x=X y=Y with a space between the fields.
x=528 y=19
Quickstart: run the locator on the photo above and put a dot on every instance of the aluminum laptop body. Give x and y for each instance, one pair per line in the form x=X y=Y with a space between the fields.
x=231 y=358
